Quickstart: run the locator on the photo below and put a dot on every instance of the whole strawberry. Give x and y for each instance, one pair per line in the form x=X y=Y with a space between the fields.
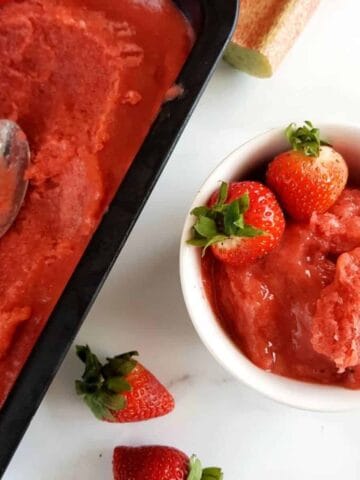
x=310 y=177
x=121 y=390
x=159 y=463
x=241 y=223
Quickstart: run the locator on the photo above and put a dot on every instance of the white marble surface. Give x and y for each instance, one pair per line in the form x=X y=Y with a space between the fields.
x=141 y=304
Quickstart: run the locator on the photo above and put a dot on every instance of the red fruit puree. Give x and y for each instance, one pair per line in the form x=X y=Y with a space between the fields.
x=296 y=312
x=85 y=80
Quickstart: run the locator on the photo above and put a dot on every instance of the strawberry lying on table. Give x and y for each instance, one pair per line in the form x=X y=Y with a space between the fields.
x=159 y=463
x=310 y=177
x=121 y=390
x=241 y=223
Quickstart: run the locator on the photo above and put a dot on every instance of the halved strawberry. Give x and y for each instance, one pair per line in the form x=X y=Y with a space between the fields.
x=159 y=463
x=122 y=390
x=242 y=222
x=310 y=177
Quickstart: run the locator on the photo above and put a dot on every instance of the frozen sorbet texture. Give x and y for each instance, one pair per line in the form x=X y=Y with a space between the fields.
x=297 y=311
x=85 y=80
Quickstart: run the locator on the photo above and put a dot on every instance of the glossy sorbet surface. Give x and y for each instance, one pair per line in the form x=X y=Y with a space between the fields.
x=85 y=80
x=296 y=311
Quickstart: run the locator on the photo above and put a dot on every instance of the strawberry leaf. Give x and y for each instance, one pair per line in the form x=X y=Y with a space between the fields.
x=223 y=194
x=81 y=387
x=118 y=385
x=197 y=242
x=111 y=401
x=212 y=473
x=212 y=241
x=305 y=139
x=239 y=222
x=244 y=203
x=222 y=221
x=196 y=471
x=250 y=232
x=206 y=227
x=97 y=407
x=231 y=215
x=201 y=211
x=92 y=364
x=102 y=386
x=119 y=366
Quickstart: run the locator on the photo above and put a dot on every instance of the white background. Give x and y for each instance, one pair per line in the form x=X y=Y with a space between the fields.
x=141 y=305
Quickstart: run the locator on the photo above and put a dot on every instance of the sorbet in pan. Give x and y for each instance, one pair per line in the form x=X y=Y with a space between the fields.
x=84 y=80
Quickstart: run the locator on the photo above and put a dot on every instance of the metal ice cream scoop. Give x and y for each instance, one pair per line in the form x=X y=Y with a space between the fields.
x=14 y=160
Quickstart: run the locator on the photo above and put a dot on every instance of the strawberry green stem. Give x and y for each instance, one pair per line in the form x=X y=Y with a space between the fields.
x=222 y=221
x=198 y=473
x=305 y=139
x=102 y=385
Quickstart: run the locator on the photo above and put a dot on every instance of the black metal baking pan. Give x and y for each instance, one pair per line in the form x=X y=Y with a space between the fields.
x=213 y=21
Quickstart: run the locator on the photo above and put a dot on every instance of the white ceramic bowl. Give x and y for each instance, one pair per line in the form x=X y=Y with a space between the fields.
x=346 y=139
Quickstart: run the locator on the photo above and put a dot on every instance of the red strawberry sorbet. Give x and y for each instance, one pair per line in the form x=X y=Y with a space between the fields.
x=84 y=79
x=296 y=312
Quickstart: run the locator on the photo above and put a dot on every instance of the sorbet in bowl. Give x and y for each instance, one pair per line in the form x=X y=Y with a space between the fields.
x=292 y=312
x=287 y=324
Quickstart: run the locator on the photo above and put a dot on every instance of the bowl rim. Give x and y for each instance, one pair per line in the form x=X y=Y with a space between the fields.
x=287 y=391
